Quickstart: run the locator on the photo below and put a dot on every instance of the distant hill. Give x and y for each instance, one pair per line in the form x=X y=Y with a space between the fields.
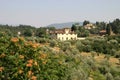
x=63 y=25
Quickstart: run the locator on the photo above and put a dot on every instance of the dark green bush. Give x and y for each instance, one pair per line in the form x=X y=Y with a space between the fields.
x=52 y=43
x=117 y=54
x=79 y=46
x=65 y=45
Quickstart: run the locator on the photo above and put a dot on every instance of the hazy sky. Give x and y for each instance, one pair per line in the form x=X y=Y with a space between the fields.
x=44 y=12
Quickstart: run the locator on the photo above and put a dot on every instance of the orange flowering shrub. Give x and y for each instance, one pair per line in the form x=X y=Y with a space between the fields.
x=1 y=69
x=44 y=62
x=14 y=39
x=21 y=56
x=35 y=45
x=33 y=78
x=25 y=60
x=30 y=43
x=43 y=56
x=2 y=55
x=29 y=65
x=20 y=71
x=29 y=74
x=30 y=61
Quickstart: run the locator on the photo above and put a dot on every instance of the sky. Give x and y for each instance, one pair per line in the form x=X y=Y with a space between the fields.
x=44 y=12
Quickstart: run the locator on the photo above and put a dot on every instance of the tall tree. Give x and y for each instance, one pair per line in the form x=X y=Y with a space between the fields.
x=116 y=26
x=85 y=22
x=74 y=27
x=108 y=29
x=101 y=25
x=28 y=32
x=41 y=32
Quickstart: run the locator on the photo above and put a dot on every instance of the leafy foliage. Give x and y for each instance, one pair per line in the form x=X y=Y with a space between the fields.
x=21 y=58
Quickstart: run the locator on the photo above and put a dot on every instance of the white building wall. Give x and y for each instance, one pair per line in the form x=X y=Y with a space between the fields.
x=64 y=37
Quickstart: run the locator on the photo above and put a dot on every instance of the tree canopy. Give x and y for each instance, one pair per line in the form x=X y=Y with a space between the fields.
x=85 y=22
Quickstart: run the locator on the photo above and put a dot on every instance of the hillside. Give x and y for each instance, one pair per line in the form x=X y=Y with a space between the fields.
x=63 y=25
x=28 y=58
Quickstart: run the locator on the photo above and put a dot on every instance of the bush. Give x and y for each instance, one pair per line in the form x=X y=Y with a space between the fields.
x=65 y=45
x=78 y=74
x=79 y=46
x=72 y=42
x=87 y=48
x=113 y=41
x=98 y=76
x=104 y=68
x=52 y=43
x=117 y=54
x=109 y=76
x=115 y=71
x=117 y=78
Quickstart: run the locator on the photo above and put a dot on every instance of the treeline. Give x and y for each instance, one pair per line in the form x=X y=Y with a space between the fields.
x=98 y=26
x=27 y=30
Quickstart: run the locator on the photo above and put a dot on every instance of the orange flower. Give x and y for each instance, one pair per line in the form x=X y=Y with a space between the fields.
x=43 y=56
x=33 y=78
x=28 y=43
x=35 y=45
x=2 y=55
x=1 y=69
x=30 y=73
x=44 y=62
x=21 y=57
x=14 y=39
x=20 y=71
x=29 y=65
x=30 y=61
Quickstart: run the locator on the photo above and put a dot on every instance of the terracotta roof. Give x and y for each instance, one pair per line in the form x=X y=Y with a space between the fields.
x=103 y=31
x=61 y=31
